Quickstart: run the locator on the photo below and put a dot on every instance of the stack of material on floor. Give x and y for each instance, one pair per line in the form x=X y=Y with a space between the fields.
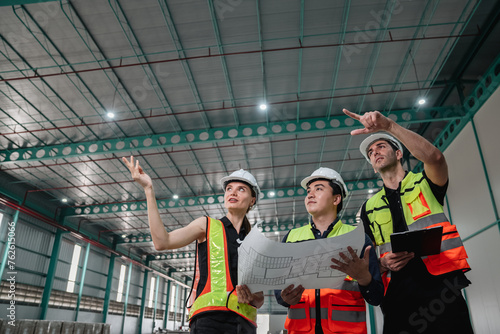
x=52 y=327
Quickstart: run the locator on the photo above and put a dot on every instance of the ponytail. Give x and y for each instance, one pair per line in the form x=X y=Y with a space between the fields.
x=246 y=225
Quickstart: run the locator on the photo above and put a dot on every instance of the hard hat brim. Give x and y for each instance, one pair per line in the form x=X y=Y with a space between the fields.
x=368 y=141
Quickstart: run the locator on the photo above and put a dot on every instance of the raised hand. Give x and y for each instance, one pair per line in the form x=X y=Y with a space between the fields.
x=354 y=266
x=373 y=121
x=137 y=173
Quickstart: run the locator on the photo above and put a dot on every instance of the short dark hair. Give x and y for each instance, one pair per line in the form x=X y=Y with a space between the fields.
x=336 y=190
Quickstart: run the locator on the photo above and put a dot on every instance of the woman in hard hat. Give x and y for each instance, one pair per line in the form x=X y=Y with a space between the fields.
x=220 y=306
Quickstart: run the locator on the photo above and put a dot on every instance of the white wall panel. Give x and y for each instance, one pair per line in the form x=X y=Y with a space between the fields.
x=487 y=121
x=472 y=210
x=468 y=194
x=483 y=294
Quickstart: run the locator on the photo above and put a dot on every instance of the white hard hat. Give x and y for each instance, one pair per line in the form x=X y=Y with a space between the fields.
x=365 y=144
x=329 y=174
x=242 y=175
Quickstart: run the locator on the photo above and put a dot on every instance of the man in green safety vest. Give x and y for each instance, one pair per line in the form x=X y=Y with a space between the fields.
x=422 y=293
x=339 y=310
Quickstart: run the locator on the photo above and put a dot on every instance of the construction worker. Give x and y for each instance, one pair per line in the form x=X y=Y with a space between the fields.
x=220 y=306
x=339 y=310
x=422 y=294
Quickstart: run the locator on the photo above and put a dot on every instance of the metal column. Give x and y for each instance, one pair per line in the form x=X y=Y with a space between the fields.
x=156 y=301
x=126 y=296
x=167 y=304
x=82 y=281
x=143 y=299
x=109 y=284
x=49 y=280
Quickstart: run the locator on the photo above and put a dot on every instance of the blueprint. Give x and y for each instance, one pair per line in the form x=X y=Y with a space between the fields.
x=264 y=264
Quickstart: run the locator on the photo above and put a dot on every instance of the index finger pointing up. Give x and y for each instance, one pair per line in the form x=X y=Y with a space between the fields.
x=351 y=114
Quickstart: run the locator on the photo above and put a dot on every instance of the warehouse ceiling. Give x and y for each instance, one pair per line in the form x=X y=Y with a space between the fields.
x=185 y=81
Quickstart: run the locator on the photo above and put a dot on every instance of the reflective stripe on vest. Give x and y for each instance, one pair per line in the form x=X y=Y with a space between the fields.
x=342 y=310
x=217 y=291
x=349 y=316
x=421 y=210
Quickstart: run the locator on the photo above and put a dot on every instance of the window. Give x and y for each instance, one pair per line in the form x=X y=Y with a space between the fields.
x=121 y=283
x=74 y=269
x=151 y=292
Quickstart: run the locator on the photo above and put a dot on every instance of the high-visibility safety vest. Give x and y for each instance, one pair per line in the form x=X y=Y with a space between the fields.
x=219 y=293
x=421 y=210
x=341 y=310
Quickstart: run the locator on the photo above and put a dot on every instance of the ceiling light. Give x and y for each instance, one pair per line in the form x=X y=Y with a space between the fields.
x=272 y=193
x=124 y=236
x=263 y=106
x=64 y=200
x=175 y=196
x=110 y=115
x=370 y=191
x=421 y=101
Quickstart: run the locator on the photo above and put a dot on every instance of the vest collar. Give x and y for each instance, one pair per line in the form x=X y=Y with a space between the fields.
x=334 y=225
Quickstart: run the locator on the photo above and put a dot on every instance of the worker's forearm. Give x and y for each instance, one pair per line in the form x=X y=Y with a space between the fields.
x=419 y=147
x=158 y=231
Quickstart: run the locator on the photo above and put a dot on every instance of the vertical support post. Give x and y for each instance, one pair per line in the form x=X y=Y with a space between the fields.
x=176 y=303
x=167 y=303
x=126 y=296
x=11 y=230
x=49 y=280
x=109 y=284
x=185 y=303
x=82 y=281
x=156 y=300
x=143 y=299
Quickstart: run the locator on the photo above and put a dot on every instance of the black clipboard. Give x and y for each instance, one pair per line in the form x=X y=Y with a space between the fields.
x=422 y=242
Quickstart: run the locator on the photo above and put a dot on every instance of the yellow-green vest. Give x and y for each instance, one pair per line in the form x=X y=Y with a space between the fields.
x=219 y=293
x=421 y=210
x=342 y=310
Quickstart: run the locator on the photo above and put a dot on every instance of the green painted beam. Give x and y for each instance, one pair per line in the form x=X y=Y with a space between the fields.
x=109 y=285
x=82 y=281
x=155 y=302
x=51 y=273
x=125 y=303
x=167 y=304
x=264 y=227
x=135 y=206
x=184 y=138
x=143 y=300
x=4 y=3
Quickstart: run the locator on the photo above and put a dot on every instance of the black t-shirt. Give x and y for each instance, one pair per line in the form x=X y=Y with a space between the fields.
x=413 y=282
x=233 y=240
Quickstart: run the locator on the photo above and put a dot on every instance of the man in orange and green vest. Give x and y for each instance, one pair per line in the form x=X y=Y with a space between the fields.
x=422 y=293
x=339 y=310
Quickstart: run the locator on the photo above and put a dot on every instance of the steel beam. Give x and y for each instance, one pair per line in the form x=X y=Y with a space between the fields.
x=212 y=135
x=134 y=206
